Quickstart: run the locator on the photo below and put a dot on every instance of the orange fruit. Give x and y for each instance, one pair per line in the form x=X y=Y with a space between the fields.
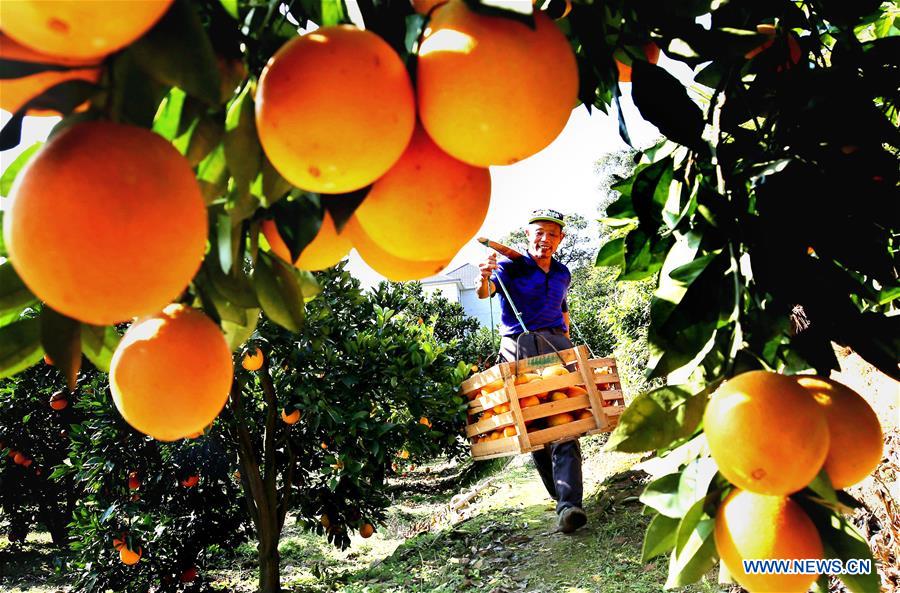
x=403 y=454
x=487 y=415
x=575 y=391
x=48 y=360
x=291 y=418
x=171 y=374
x=623 y=60
x=106 y=223
x=493 y=385
x=425 y=421
x=18 y=91
x=558 y=419
x=325 y=521
x=585 y=414
x=501 y=409
x=492 y=90
x=510 y=431
x=326 y=250
x=496 y=435
x=19 y=458
x=856 y=440
x=391 y=267
x=431 y=193
x=764 y=29
x=252 y=361
x=554 y=371
x=765 y=433
x=366 y=530
x=426 y=6
x=190 y=481
x=79 y=29
x=58 y=401
x=334 y=109
x=526 y=378
x=529 y=401
x=758 y=527
x=557 y=396
x=128 y=556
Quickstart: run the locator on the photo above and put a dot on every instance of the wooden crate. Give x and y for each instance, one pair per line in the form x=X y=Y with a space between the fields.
x=499 y=392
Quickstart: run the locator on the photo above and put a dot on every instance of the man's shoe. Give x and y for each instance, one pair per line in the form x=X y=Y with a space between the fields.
x=571 y=518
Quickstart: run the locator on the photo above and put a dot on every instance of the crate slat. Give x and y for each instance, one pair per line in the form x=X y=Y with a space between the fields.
x=505 y=445
x=557 y=433
x=557 y=383
x=498 y=421
x=557 y=407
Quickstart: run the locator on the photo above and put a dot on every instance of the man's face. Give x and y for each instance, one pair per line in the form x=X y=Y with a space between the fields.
x=543 y=238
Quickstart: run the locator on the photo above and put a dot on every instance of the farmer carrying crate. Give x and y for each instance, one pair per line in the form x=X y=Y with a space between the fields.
x=533 y=303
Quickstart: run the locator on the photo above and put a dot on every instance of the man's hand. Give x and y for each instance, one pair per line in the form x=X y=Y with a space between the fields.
x=487 y=267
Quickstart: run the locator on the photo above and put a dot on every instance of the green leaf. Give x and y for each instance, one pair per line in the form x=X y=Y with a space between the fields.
x=660 y=537
x=237 y=334
x=231 y=7
x=61 y=339
x=662 y=496
x=695 y=480
x=168 y=116
x=612 y=254
x=278 y=292
x=178 y=52
x=821 y=485
x=298 y=222
x=99 y=343
x=656 y=419
x=242 y=149
x=12 y=171
x=332 y=13
x=841 y=540
x=664 y=102
x=695 y=548
x=14 y=295
x=20 y=346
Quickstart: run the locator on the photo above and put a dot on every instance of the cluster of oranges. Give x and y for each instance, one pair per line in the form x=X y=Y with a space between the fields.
x=529 y=401
x=489 y=91
x=770 y=436
x=20 y=458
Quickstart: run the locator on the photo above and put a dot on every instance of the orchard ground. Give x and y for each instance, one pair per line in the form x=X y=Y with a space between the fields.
x=503 y=537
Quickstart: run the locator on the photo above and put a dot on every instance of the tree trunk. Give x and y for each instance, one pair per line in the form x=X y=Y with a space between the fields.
x=269 y=567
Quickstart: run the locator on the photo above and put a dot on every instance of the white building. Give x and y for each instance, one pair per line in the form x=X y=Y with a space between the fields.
x=459 y=285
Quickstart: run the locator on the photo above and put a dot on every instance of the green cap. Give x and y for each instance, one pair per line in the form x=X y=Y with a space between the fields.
x=548 y=215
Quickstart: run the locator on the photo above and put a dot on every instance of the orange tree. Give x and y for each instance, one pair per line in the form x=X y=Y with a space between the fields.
x=361 y=377
x=38 y=433
x=769 y=200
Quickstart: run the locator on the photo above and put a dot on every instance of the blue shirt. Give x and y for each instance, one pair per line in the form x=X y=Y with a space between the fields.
x=539 y=296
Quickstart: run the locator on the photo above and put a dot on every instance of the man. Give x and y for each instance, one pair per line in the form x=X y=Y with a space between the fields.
x=537 y=285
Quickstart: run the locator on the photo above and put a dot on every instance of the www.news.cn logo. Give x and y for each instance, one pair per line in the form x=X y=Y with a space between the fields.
x=808 y=566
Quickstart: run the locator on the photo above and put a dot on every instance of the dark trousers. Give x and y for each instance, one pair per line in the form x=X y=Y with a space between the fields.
x=558 y=465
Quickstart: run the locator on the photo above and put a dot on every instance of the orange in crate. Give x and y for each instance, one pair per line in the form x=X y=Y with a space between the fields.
x=557 y=397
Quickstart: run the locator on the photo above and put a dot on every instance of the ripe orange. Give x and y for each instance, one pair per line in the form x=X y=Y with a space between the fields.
x=526 y=378
x=501 y=409
x=529 y=401
x=425 y=6
x=252 y=361
x=427 y=195
x=856 y=439
x=389 y=266
x=493 y=385
x=80 y=29
x=487 y=415
x=366 y=530
x=765 y=433
x=106 y=223
x=753 y=526
x=334 y=109
x=557 y=396
x=326 y=250
x=510 y=431
x=764 y=29
x=129 y=557
x=18 y=91
x=492 y=90
x=585 y=414
x=48 y=360
x=425 y=421
x=558 y=419
x=575 y=391
x=623 y=60
x=171 y=374
x=19 y=458
x=291 y=418
x=190 y=481
x=554 y=371
x=403 y=454
x=58 y=401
